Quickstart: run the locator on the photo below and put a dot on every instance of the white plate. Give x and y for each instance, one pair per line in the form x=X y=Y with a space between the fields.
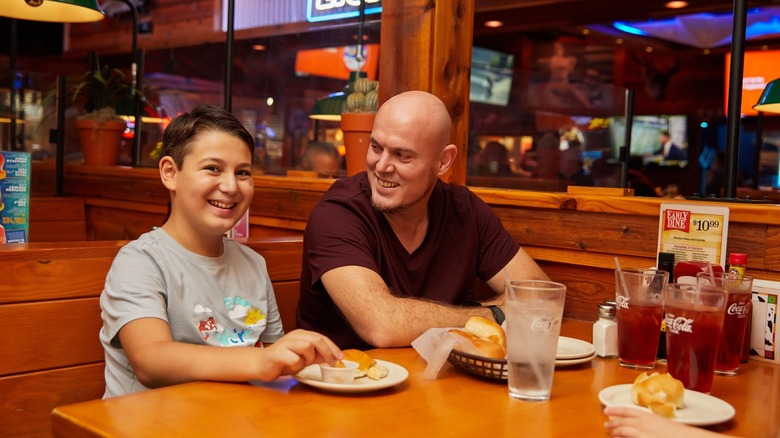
x=568 y=362
x=570 y=348
x=311 y=376
x=699 y=409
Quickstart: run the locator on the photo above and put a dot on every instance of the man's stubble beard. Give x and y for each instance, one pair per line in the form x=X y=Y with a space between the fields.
x=399 y=208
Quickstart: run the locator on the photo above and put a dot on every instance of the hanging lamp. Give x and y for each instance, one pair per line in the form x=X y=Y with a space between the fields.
x=57 y=11
x=769 y=102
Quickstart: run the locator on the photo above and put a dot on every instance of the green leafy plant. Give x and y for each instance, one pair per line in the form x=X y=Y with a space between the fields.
x=104 y=93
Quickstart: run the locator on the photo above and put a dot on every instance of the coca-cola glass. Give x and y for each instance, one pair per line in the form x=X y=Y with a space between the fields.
x=694 y=323
x=740 y=294
x=640 y=307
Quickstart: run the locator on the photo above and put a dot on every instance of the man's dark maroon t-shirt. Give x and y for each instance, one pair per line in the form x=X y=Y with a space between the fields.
x=465 y=240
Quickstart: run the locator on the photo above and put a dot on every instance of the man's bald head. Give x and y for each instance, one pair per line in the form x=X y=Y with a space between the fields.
x=421 y=109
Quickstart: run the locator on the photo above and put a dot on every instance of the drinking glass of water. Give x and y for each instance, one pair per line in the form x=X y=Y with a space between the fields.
x=534 y=310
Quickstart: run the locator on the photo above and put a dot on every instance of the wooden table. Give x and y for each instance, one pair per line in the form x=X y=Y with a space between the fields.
x=455 y=404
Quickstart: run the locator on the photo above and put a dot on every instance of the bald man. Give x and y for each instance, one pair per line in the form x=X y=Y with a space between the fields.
x=393 y=251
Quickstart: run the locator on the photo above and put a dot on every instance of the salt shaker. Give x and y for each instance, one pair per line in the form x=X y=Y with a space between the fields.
x=605 y=331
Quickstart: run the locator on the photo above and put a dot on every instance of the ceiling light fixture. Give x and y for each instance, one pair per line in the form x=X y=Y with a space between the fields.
x=494 y=23
x=57 y=11
x=677 y=4
x=769 y=102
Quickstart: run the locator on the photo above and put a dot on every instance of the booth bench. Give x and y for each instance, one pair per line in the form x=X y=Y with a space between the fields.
x=50 y=319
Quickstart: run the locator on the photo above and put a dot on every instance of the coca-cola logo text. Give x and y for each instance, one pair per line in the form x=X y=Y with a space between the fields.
x=622 y=302
x=545 y=325
x=739 y=309
x=678 y=324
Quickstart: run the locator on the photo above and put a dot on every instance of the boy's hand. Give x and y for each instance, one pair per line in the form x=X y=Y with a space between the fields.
x=295 y=351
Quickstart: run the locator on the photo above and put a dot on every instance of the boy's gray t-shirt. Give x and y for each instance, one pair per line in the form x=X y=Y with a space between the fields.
x=224 y=301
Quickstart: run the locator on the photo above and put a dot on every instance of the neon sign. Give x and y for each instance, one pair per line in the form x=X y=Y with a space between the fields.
x=324 y=10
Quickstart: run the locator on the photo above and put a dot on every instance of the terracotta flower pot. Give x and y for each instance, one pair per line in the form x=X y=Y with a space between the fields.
x=100 y=141
x=357 y=133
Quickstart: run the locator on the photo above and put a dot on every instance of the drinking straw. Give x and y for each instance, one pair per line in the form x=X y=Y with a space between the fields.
x=712 y=274
x=622 y=280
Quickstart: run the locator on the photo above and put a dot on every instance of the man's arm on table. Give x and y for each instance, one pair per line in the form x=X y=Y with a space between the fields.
x=384 y=320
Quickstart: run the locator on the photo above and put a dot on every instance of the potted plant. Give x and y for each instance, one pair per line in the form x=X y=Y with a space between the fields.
x=102 y=92
x=357 y=121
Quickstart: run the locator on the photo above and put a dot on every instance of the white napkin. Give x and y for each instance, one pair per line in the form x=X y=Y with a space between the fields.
x=435 y=345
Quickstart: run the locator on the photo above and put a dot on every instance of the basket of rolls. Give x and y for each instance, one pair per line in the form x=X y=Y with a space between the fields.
x=480 y=349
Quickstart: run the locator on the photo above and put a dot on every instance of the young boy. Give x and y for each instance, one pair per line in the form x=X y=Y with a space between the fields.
x=180 y=292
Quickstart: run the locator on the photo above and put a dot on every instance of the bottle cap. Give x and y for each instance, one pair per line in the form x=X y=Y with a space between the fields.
x=607 y=310
x=665 y=257
x=737 y=258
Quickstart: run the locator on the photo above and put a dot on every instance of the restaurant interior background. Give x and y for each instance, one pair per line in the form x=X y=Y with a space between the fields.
x=547 y=97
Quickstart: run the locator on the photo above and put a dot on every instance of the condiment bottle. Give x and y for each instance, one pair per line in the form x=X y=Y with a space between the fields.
x=605 y=331
x=737 y=264
x=665 y=263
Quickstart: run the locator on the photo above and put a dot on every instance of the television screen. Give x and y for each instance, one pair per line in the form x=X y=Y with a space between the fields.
x=760 y=67
x=491 y=76
x=337 y=62
x=646 y=136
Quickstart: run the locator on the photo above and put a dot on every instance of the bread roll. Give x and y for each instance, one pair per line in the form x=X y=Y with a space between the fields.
x=484 y=328
x=377 y=372
x=363 y=360
x=662 y=393
x=367 y=366
x=474 y=345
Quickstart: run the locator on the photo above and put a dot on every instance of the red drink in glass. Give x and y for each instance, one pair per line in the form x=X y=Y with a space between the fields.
x=692 y=341
x=734 y=325
x=640 y=306
x=638 y=328
x=737 y=317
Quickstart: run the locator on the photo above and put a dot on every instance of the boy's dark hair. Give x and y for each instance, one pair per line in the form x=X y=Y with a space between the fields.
x=178 y=137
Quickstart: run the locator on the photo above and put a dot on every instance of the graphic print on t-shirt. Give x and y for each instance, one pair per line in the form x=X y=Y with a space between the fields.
x=207 y=324
x=247 y=323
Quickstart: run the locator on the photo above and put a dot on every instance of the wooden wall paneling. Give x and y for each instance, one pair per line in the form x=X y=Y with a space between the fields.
x=287 y=297
x=28 y=399
x=586 y=258
x=110 y=223
x=585 y=288
x=285 y=254
x=772 y=254
x=55 y=219
x=57 y=231
x=140 y=188
x=592 y=232
x=261 y=231
x=750 y=239
x=85 y=277
x=176 y=23
x=49 y=208
x=284 y=203
x=25 y=348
